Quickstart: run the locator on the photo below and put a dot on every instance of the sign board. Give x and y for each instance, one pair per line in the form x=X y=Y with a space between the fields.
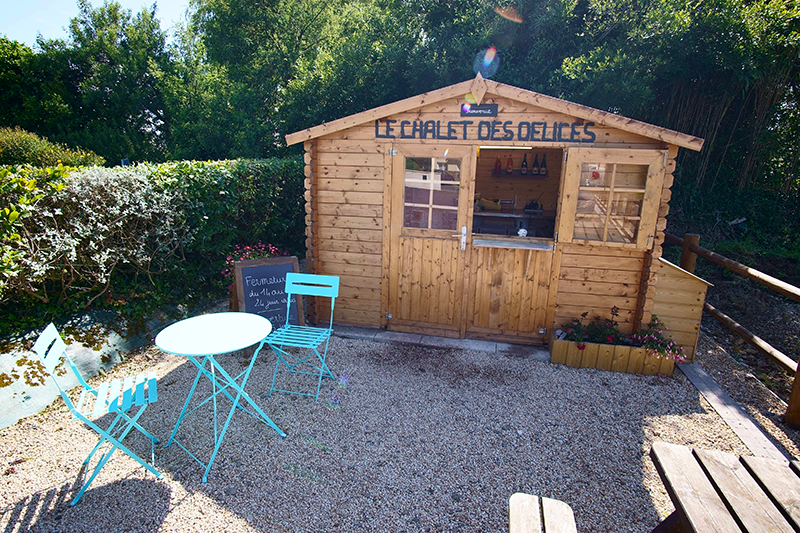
x=260 y=285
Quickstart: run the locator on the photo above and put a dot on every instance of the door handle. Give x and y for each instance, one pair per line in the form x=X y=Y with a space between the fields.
x=463 y=236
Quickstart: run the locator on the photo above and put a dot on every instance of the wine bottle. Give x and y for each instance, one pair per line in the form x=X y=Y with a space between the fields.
x=509 y=165
x=497 y=166
x=543 y=166
x=535 y=167
x=524 y=168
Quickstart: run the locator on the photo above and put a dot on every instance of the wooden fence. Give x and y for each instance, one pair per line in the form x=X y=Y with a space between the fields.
x=689 y=253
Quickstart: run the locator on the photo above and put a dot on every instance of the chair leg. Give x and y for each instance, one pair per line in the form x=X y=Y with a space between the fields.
x=116 y=443
x=320 y=371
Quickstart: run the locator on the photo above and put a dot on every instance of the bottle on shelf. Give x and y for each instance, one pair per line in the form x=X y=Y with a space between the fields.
x=524 y=168
x=497 y=166
x=509 y=165
x=543 y=166
x=535 y=167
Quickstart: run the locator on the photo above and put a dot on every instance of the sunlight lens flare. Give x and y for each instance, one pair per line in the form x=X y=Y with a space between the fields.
x=487 y=62
x=509 y=13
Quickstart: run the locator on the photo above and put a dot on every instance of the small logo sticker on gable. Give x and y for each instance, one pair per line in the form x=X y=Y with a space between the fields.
x=483 y=110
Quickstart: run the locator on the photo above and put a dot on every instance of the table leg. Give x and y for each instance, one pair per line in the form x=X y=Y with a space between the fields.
x=188 y=399
x=240 y=393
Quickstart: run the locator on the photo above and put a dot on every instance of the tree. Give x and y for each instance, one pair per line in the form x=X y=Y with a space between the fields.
x=122 y=112
x=260 y=45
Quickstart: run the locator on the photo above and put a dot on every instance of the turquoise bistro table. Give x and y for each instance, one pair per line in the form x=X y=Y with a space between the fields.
x=201 y=339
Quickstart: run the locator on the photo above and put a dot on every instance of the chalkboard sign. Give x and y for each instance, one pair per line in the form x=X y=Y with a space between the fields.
x=260 y=287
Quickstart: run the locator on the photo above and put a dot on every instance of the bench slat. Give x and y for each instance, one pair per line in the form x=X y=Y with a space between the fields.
x=524 y=514
x=558 y=517
x=744 y=496
x=780 y=482
x=689 y=488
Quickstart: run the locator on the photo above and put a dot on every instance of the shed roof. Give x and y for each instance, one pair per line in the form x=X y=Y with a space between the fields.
x=480 y=87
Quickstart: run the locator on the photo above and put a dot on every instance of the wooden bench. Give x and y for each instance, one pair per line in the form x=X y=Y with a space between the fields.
x=531 y=514
x=716 y=492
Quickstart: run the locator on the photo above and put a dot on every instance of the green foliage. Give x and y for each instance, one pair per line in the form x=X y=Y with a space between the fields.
x=19 y=147
x=135 y=238
x=598 y=330
x=248 y=253
x=21 y=189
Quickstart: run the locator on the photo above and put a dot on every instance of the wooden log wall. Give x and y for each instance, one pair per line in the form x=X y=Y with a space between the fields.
x=652 y=265
x=594 y=279
x=344 y=217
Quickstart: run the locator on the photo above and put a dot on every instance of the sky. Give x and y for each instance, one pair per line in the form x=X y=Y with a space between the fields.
x=22 y=20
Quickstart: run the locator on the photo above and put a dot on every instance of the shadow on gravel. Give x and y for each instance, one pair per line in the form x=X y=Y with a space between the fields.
x=131 y=505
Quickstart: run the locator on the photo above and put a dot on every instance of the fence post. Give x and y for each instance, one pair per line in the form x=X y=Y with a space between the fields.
x=689 y=258
x=792 y=417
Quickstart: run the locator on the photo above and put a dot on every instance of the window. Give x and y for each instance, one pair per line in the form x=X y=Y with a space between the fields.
x=610 y=200
x=431 y=193
x=612 y=196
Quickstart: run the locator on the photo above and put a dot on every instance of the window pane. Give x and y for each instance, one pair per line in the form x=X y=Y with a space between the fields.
x=592 y=202
x=446 y=195
x=622 y=230
x=431 y=183
x=444 y=219
x=596 y=175
x=415 y=217
x=631 y=176
x=420 y=164
x=418 y=193
x=627 y=204
x=589 y=228
x=449 y=169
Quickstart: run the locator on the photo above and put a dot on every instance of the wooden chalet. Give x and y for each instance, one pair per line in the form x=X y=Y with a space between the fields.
x=486 y=211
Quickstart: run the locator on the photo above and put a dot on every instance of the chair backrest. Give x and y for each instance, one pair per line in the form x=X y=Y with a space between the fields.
x=50 y=348
x=310 y=285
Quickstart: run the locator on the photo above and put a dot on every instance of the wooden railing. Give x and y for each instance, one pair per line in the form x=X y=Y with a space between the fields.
x=689 y=253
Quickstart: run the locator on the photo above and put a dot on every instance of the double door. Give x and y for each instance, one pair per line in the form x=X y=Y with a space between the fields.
x=439 y=282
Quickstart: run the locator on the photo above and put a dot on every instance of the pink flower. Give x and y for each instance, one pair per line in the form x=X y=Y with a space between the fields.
x=581 y=346
x=610 y=339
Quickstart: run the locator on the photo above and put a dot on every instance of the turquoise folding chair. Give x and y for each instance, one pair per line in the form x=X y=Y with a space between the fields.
x=118 y=397
x=304 y=337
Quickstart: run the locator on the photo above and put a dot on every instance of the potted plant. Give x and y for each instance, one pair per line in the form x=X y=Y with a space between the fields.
x=600 y=344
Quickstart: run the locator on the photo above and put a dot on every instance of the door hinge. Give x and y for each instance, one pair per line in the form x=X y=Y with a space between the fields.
x=388 y=316
x=565 y=156
x=393 y=151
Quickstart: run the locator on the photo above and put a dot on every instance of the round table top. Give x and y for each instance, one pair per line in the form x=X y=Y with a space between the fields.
x=213 y=333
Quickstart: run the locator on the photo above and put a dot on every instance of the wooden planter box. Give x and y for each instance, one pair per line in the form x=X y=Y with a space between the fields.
x=609 y=357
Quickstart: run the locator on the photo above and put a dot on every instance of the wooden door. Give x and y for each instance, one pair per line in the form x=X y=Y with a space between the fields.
x=431 y=195
x=508 y=294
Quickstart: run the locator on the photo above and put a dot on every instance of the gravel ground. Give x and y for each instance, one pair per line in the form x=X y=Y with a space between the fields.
x=414 y=439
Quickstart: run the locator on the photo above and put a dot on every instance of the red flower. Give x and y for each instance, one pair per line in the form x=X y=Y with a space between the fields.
x=581 y=346
x=610 y=339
